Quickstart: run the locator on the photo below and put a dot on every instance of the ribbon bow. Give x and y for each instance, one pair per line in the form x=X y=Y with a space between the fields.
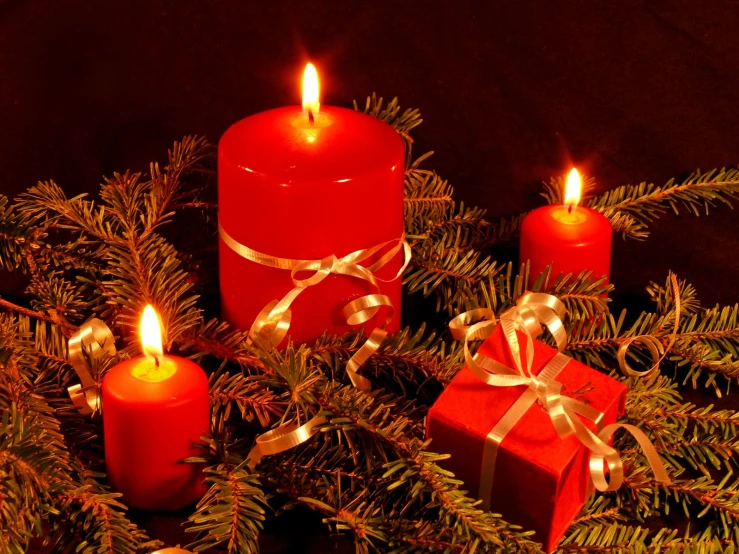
x=532 y=311
x=273 y=322
x=96 y=339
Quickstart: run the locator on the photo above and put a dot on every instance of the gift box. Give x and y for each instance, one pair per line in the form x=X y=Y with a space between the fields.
x=540 y=481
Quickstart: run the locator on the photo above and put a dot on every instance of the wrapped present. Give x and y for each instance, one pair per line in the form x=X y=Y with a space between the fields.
x=527 y=427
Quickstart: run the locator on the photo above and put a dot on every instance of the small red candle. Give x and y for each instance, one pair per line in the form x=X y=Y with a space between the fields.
x=568 y=237
x=303 y=184
x=155 y=410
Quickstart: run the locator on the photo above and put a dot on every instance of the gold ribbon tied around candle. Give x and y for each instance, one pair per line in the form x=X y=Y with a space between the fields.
x=273 y=322
x=532 y=311
x=93 y=340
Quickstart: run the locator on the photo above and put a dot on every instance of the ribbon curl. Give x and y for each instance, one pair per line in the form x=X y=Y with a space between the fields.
x=656 y=349
x=95 y=338
x=273 y=322
x=532 y=311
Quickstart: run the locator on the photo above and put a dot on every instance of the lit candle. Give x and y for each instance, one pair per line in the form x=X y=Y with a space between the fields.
x=304 y=183
x=155 y=410
x=568 y=237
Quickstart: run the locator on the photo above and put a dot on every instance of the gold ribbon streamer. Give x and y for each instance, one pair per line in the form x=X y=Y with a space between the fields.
x=283 y=438
x=273 y=322
x=655 y=346
x=532 y=311
x=97 y=339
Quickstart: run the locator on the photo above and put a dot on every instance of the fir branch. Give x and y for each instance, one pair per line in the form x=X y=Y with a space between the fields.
x=390 y=114
x=632 y=208
x=459 y=280
x=250 y=395
x=232 y=511
x=418 y=469
x=611 y=538
x=218 y=339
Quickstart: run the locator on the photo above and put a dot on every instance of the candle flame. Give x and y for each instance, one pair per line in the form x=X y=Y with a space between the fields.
x=573 y=188
x=150 y=332
x=310 y=91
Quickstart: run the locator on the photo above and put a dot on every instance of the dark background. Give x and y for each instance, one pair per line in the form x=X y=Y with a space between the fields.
x=511 y=92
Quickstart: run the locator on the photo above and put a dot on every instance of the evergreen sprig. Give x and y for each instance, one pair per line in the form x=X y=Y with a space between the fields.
x=632 y=208
x=368 y=470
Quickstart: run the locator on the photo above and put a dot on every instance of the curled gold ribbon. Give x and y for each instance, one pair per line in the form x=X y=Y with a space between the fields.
x=97 y=339
x=656 y=349
x=532 y=312
x=273 y=322
x=283 y=438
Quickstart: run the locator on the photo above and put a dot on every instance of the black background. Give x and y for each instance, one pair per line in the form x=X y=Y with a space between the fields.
x=511 y=93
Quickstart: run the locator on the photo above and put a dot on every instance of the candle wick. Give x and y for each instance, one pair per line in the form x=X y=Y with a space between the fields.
x=156 y=361
x=311 y=119
x=569 y=209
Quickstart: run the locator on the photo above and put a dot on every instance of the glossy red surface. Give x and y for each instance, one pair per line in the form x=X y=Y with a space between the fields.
x=149 y=428
x=570 y=247
x=541 y=481
x=293 y=190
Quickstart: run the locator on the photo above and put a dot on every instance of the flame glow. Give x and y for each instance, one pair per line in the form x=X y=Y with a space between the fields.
x=310 y=90
x=573 y=188
x=150 y=332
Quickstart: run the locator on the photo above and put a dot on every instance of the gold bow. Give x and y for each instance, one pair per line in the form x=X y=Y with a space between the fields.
x=93 y=340
x=532 y=311
x=273 y=322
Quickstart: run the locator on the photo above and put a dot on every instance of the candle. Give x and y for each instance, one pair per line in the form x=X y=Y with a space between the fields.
x=568 y=237
x=155 y=409
x=304 y=183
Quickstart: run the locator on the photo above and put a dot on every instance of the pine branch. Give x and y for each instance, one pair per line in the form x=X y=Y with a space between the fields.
x=632 y=208
x=390 y=114
x=232 y=511
x=456 y=278
x=417 y=469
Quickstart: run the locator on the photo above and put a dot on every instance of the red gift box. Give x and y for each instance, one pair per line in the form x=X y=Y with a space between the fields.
x=540 y=481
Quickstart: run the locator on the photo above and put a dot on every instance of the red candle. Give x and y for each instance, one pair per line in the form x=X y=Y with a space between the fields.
x=303 y=184
x=568 y=237
x=155 y=410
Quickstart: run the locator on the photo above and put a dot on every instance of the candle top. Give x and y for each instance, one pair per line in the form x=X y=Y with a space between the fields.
x=337 y=146
x=124 y=383
x=549 y=224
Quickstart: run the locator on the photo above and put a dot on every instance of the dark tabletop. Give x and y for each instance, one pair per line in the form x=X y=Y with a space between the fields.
x=512 y=92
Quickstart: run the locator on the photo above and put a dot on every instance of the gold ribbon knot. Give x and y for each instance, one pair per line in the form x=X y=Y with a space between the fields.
x=532 y=312
x=273 y=322
x=93 y=340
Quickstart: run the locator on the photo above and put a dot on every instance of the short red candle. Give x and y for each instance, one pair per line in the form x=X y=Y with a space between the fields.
x=305 y=188
x=569 y=238
x=569 y=241
x=152 y=419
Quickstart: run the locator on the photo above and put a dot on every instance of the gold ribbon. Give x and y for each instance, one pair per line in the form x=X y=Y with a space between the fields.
x=653 y=344
x=96 y=339
x=273 y=322
x=532 y=311
x=283 y=438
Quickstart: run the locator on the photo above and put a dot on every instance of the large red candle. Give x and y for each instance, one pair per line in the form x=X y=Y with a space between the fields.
x=568 y=237
x=303 y=184
x=155 y=411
